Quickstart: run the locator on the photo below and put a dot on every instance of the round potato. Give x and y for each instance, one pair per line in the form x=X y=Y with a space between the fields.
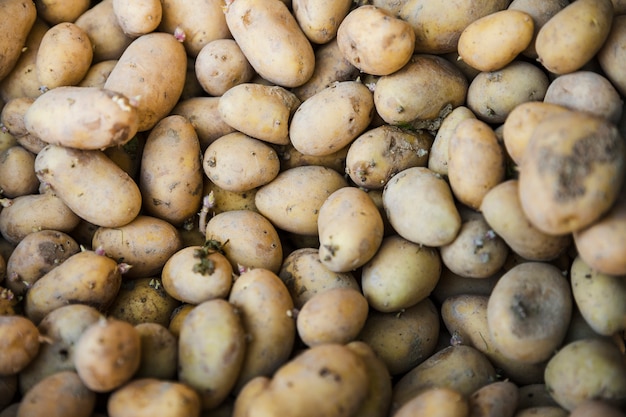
x=17 y=172
x=139 y=17
x=320 y=20
x=19 y=343
x=221 y=65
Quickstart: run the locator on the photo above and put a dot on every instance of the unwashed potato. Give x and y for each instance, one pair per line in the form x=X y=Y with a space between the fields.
x=56 y=12
x=139 y=17
x=541 y=12
x=436 y=402
x=611 y=54
x=98 y=74
x=204 y=116
x=159 y=352
x=20 y=18
x=17 y=172
x=19 y=343
x=221 y=200
x=438 y=158
x=221 y=65
x=496 y=399
x=320 y=20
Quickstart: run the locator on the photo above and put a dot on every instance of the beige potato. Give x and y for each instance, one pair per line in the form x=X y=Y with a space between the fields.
x=205 y=118
x=139 y=17
x=21 y=16
x=97 y=74
x=332 y=118
x=223 y=200
x=221 y=65
x=57 y=12
x=320 y=20
x=596 y=407
x=570 y=38
x=496 y=399
x=19 y=343
x=17 y=172
x=438 y=158
x=159 y=352
x=493 y=41
x=290 y=157
x=270 y=38
x=436 y=402
x=611 y=54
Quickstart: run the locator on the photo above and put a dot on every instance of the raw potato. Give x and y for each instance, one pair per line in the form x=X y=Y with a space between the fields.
x=439 y=157
x=19 y=343
x=20 y=18
x=375 y=41
x=574 y=35
x=436 y=402
x=82 y=117
x=451 y=284
x=55 y=12
x=612 y=54
x=496 y=399
x=98 y=74
x=17 y=172
x=320 y=20
x=543 y=411
x=8 y=389
x=221 y=65
x=84 y=179
x=595 y=408
x=139 y=17
x=270 y=38
x=203 y=114
x=159 y=352
x=224 y=200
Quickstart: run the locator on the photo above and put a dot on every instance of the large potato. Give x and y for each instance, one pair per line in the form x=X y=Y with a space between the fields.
x=320 y=20
x=20 y=16
x=19 y=343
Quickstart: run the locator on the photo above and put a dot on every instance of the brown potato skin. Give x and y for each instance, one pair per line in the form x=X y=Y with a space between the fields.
x=21 y=17
x=436 y=402
x=17 y=172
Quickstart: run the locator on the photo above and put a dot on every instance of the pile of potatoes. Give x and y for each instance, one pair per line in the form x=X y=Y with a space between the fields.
x=297 y=208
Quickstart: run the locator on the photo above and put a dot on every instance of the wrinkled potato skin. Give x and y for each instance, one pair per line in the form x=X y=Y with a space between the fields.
x=19 y=343
x=21 y=16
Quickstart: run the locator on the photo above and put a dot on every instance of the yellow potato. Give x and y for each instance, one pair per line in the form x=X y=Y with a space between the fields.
x=17 y=172
x=220 y=65
x=98 y=74
x=320 y=20
x=20 y=16
x=57 y=12
x=205 y=118
x=436 y=402
x=496 y=399
x=139 y=17
x=19 y=343
x=611 y=54
x=438 y=158
x=224 y=200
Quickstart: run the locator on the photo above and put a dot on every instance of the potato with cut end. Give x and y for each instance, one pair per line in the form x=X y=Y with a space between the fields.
x=19 y=343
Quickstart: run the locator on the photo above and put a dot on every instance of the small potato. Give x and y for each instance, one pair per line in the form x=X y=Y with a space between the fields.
x=493 y=400
x=204 y=116
x=73 y=175
x=260 y=111
x=107 y=354
x=290 y=157
x=436 y=402
x=159 y=352
x=19 y=343
x=438 y=158
x=17 y=172
x=293 y=199
x=55 y=12
x=528 y=312
x=270 y=38
x=492 y=42
x=400 y=275
x=44 y=397
x=98 y=74
x=574 y=35
x=139 y=17
x=375 y=41
x=221 y=65
x=20 y=18
x=332 y=118
x=612 y=54
x=57 y=68
x=350 y=229
x=147 y=397
x=320 y=20
x=238 y=162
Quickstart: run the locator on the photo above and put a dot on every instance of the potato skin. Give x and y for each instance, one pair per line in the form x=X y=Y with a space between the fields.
x=221 y=65
x=436 y=402
x=138 y=18
x=610 y=56
x=14 y=31
x=19 y=343
x=496 y=399
x=320 y=20
x=17 y=173
x=159 y=352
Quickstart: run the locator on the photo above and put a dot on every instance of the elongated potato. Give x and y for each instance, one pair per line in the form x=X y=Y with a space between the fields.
x=20 y=18
x=438 y=158
x=19 y=343
x=612 y=54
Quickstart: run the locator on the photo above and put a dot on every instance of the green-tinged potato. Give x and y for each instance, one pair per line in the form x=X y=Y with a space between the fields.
x=400 y=275
x=19 y=343
x=145 y=244
x=496 y=399
x=60 y=394
x=20 y=16
x=378 y=398
x=260 y=111
x=571 y=173
x=305 y=275
x=264 y=304
x=460 y=368
x=82 y=118
x=451 y=284
x=17 y=172
x=8 y=389
x=238 y=162
x=375 y=41
x=35 y=212
x=613 y=53
x=61 y=329
x=436 y=402
x=350 y=229
x=403 y=339
x=221 y=65
x=139 y=75
x=139 y=17
x=211 y=364
x=159 y=352
x=426 y=88
x=438 y=158
x=221 y=200
x=593 y=408
x=543 y=411
x=529 y=311
x=332 y=118
x=146 y=397
x=171 y=177
x=67 y=66
x=84 y=278
x=98 y=74
x=588 y=369
x=107 y=354
x=493 y=41
x=270 y=38
x=57 y=12
x=534 y=395
x=292 y=201
x=326 y=380
x=599 y=297
x=503 y=211
x=320 y=20
x=205 y=118
x=74 y=174
x=432 y=221
x=574 y=35
x=380 y=153
x=493 y=95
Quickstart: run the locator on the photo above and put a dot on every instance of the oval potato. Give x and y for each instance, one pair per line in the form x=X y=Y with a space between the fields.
x=319 y=20
x=19 y=343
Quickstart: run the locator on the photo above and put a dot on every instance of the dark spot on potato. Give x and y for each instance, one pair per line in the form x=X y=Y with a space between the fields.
x=324 y=372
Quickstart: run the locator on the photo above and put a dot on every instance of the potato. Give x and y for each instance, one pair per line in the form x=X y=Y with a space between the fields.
x=107 y=354
x=451 y=284
x=21 y=16
x=570 y=38
x=264 y=304
x=293 y=199
x=138 y=18
x=320 y=20
x=571 y=174
x=270 y=38
x=13 y=113
x=424 y=89
x=493 y=41
x=17 y=172
x=19 y=343
x=238 y=162
x=108 y=119
x=611 y=54
x=204 y=116
x=329 y=380
x=249 y=392
x=403 y=339
x=97 y=74
x=211 y=364
x=221 y=65
x=8 y=389
x=350 y=229
x=492 y=96
x=150 y=396
x=528 y=312
x=222 y=200
x=439 y=157
x=378 y=399
x=35 y=212
x=599 y=297
x=545 y=411
x=596 y=407
x=375 y=41
x=332 y=118
x=290 y=157
x=159 y=352
x=260 y=111
x=43 y=398
x=495 y=399
x=83 y=278
x=534 y=395
x=599 y=373
x=55 y=12
x=139 y=74
x=436 y=402
x=178 y=316
x=72 y=175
